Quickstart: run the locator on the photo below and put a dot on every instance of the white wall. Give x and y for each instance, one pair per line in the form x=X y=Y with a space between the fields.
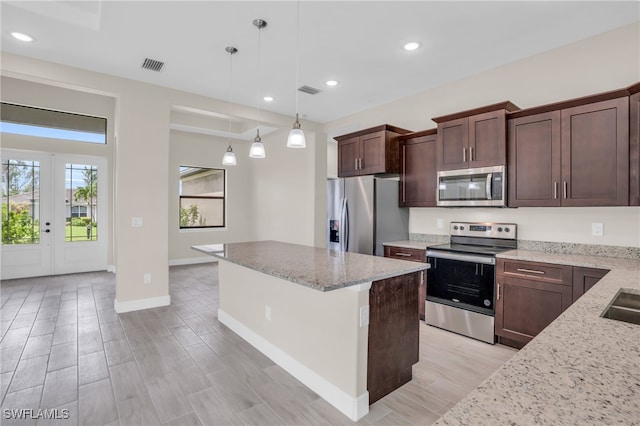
x=286 y=181
x=190 y=149
x=606 y=62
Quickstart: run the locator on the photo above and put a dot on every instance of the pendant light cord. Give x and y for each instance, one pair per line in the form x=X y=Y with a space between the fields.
x=297 y=52
x=230 y=92
x=258 y=84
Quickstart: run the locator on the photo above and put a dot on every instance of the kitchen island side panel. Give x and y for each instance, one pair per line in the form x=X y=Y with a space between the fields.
x=319 y=330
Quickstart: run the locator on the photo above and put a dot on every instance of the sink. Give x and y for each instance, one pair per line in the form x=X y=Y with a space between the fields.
x=624 y=307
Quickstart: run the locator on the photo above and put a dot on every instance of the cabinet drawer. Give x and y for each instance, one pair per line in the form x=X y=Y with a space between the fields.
x=416 y=255
x=547 y=272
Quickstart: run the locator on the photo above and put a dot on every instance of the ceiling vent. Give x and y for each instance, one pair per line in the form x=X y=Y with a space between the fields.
x=152 y=64
x=309 y=90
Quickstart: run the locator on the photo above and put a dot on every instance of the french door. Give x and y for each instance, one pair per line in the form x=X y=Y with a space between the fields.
x=54 y=214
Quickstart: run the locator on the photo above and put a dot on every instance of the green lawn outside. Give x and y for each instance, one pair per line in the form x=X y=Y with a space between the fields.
x=79 y=233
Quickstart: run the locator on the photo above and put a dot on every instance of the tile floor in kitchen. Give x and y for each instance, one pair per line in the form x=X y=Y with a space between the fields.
x=63 y=347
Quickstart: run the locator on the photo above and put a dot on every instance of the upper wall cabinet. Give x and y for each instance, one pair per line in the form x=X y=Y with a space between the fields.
x=574 y=153
x=369 y=151
x=634 y=145
x=474 y=138
x=418 y=169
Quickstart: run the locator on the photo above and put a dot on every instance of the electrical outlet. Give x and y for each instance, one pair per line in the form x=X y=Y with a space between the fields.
x=364 y=315
x=439 y=223
x=267 y=312
x=597 y=229
x=137 y=222
x=147 y=278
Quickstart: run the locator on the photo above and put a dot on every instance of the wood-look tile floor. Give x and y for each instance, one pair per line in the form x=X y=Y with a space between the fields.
x=63 y=347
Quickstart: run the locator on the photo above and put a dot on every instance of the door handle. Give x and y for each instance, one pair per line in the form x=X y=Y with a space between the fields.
x=356 y=166
x=488 y=186
x=564 y=189
x=498 y=295
x=555 y=190
x=470 y=153
x=46 y=230
x=464 y=155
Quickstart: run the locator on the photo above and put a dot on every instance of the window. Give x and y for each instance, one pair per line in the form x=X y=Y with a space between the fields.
x=202 y=197
x=81 y=188
x=44 y=123
x=20 y=202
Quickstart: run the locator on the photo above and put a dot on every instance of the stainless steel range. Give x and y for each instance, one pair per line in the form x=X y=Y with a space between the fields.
x=461 y=280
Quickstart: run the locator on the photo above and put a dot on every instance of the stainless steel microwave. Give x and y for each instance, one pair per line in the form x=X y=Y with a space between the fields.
x=483 y=186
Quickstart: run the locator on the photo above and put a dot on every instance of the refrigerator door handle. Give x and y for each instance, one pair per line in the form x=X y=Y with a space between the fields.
x=344 y=223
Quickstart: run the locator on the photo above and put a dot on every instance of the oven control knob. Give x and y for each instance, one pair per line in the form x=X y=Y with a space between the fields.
x=507 y=229
x=455 y=227
x=461 y=228
x=499 y=229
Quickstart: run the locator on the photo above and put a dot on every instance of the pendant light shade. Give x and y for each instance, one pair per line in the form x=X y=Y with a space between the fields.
x=296 y=137
x=257 y=147
x=229 y=158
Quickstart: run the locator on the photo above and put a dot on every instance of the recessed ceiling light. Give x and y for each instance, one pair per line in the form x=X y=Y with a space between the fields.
x=413 y=45
x=22 y=36
x=268 y=98
x=331 y=83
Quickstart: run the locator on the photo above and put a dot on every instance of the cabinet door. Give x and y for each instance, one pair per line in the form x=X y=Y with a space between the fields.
x=525 y=307
x=372 y=153
x=584 y=279
x=348 y=155
x=487 y=139
x=418 y=172
x=595 y=154
x=634 y=149
x=452 y=144
x=534 y=160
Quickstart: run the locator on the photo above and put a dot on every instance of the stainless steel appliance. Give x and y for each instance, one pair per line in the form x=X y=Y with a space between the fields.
x=461 y=280
x=363 y=212
x=484 y=186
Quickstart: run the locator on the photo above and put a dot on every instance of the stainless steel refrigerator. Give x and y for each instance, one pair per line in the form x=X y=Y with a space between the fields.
x=363 y=213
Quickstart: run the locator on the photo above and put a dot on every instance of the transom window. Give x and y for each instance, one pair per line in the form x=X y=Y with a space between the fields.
x=202 y=197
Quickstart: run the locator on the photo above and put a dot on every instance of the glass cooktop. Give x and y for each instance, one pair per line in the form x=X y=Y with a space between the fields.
x=470 y=248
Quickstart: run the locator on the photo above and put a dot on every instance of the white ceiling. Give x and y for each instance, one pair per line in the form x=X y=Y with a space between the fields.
x=358 y=43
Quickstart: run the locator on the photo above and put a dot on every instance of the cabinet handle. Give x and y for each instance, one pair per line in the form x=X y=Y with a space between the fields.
x=403 y=254
x=564 y=189
x=464 y=155
x=530 y=271
x=470 y=153
x=555 y=190
x=356 y=166
x=498 y=295
x=360 y=159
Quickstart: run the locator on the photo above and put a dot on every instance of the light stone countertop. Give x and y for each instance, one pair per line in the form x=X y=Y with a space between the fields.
x=318 y=268
x=581 y=370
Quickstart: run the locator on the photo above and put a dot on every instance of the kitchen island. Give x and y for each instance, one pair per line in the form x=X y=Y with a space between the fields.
x=581 y=369
x=344 y=324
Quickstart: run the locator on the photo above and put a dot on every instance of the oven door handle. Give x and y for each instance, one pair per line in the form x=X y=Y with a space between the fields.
x=487 y=260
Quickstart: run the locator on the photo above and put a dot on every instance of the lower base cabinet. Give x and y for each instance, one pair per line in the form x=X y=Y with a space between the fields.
x=416 y=255
x=530 y=295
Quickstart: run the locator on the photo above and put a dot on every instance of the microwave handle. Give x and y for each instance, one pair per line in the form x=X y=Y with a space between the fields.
x=488 y=186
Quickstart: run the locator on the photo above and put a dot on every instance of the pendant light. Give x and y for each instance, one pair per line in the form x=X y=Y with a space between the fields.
x=257 y=147
x=296 y=137
x=229 y=158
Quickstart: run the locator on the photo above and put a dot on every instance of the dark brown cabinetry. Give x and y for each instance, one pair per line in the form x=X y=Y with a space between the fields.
x=584 y=279
x=369 y=151
x=634 y=145
x=418 y=169
x=416 y=255
x=529 y=296
x=393 y=334
x=474 y=138
x=575 y=153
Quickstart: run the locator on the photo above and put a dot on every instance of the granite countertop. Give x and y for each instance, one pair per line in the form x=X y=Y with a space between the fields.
x=318 y=268
x=581 y=369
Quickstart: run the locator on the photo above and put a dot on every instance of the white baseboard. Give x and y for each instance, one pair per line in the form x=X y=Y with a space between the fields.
x=140 y=304
x=111 y=268
x=192 y=260
x=354 y=408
